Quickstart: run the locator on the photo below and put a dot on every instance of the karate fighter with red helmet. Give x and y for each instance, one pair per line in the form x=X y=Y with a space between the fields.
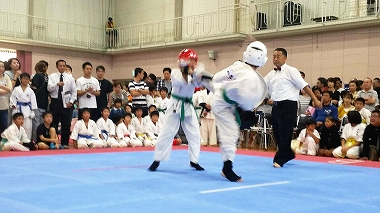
x=180 y=111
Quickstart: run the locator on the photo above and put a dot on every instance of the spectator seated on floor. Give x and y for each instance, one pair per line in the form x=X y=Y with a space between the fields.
x=116 y=110
x=351 y=137
x=309 y=139
x=86 y=133
x=14 y=138
x=330 y=138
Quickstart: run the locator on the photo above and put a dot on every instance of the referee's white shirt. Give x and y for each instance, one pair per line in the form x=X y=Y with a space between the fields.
x=68 y=87
x=285 y=84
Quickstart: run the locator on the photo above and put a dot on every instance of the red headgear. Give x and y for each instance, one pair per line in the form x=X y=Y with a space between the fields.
x=185 y=55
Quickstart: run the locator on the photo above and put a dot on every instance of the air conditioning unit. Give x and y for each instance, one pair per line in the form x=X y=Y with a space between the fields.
x=292 y=14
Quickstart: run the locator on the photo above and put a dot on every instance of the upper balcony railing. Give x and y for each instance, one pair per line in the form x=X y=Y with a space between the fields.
x=286 y=16
x=261 y=17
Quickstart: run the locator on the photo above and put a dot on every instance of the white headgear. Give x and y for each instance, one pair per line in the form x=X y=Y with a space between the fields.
x=255 y=54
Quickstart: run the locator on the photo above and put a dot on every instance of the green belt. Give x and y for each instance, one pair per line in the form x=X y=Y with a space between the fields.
x=161 y=110
x=2 y=143
x=237 y=116
x=183 y=100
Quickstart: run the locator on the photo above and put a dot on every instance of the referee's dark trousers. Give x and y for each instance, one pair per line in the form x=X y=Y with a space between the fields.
x=63 y=115
x=284 y=114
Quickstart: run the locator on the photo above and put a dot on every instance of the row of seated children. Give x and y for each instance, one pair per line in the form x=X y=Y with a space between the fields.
x=86 y=133
x=328 y=142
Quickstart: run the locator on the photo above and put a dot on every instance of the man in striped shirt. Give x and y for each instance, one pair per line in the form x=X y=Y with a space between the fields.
x=139 y=89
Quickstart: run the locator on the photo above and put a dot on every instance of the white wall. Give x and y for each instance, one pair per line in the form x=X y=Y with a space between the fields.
x=11 y=23
x=132 y=12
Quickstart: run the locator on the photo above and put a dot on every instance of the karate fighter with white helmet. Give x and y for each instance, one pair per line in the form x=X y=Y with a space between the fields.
x=180 y=111
x=237 y=85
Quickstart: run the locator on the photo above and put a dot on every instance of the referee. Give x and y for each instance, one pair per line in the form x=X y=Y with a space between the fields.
x=284 y=83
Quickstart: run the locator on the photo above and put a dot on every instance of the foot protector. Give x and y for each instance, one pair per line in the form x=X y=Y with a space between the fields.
x=228 y=173
x=196 y=166
x=154 y=166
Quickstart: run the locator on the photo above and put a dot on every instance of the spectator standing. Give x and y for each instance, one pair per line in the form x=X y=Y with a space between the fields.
x=63 y=94
x=87 y=89
x=166 y=81
x=39 y=86
x=5 y=90
x=14 y=72
x=139 y=89
x=106 y=88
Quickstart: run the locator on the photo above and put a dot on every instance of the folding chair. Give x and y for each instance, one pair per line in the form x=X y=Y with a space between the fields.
x=245 y=132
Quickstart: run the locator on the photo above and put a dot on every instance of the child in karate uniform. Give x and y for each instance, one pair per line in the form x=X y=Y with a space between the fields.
x=14 y=137
x=152 y=129
x=138 y=123
x=107 y=128
x=309 y=139
x=23 y=100
x=86 y=133
x=126 y=133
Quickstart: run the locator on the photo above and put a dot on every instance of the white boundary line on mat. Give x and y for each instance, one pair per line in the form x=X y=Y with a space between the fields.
x=243 y=187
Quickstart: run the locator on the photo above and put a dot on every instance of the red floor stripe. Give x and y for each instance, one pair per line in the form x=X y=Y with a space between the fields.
x=269 y=154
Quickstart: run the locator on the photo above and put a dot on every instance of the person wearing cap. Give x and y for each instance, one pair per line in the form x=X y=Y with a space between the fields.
x=309 y=139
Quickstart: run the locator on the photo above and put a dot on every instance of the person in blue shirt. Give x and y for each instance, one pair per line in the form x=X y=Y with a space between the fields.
x=117 y=111
x=327 y=109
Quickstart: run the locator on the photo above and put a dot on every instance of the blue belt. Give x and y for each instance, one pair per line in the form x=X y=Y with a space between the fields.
x=106 y=133
x=86 y=136
x=20 y=104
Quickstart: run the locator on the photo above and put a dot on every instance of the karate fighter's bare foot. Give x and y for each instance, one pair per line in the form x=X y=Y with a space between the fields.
x=276 y=165
x=196 y=166
x=154 y=166
x=228 y=173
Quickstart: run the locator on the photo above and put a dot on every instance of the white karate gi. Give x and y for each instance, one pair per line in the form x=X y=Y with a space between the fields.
x=107 y=128
x=162 y=106
x=351 y=133
x=127 y=135
x=309 y=146
x=208 y=127
x=139 y=127
x=87 y=137
x=244 y=87
x=173 y=114
x=152 y=130
x=25 y=102
x=12 y=137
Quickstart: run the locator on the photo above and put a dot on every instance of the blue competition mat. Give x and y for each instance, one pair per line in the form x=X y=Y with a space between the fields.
x=120 y=182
